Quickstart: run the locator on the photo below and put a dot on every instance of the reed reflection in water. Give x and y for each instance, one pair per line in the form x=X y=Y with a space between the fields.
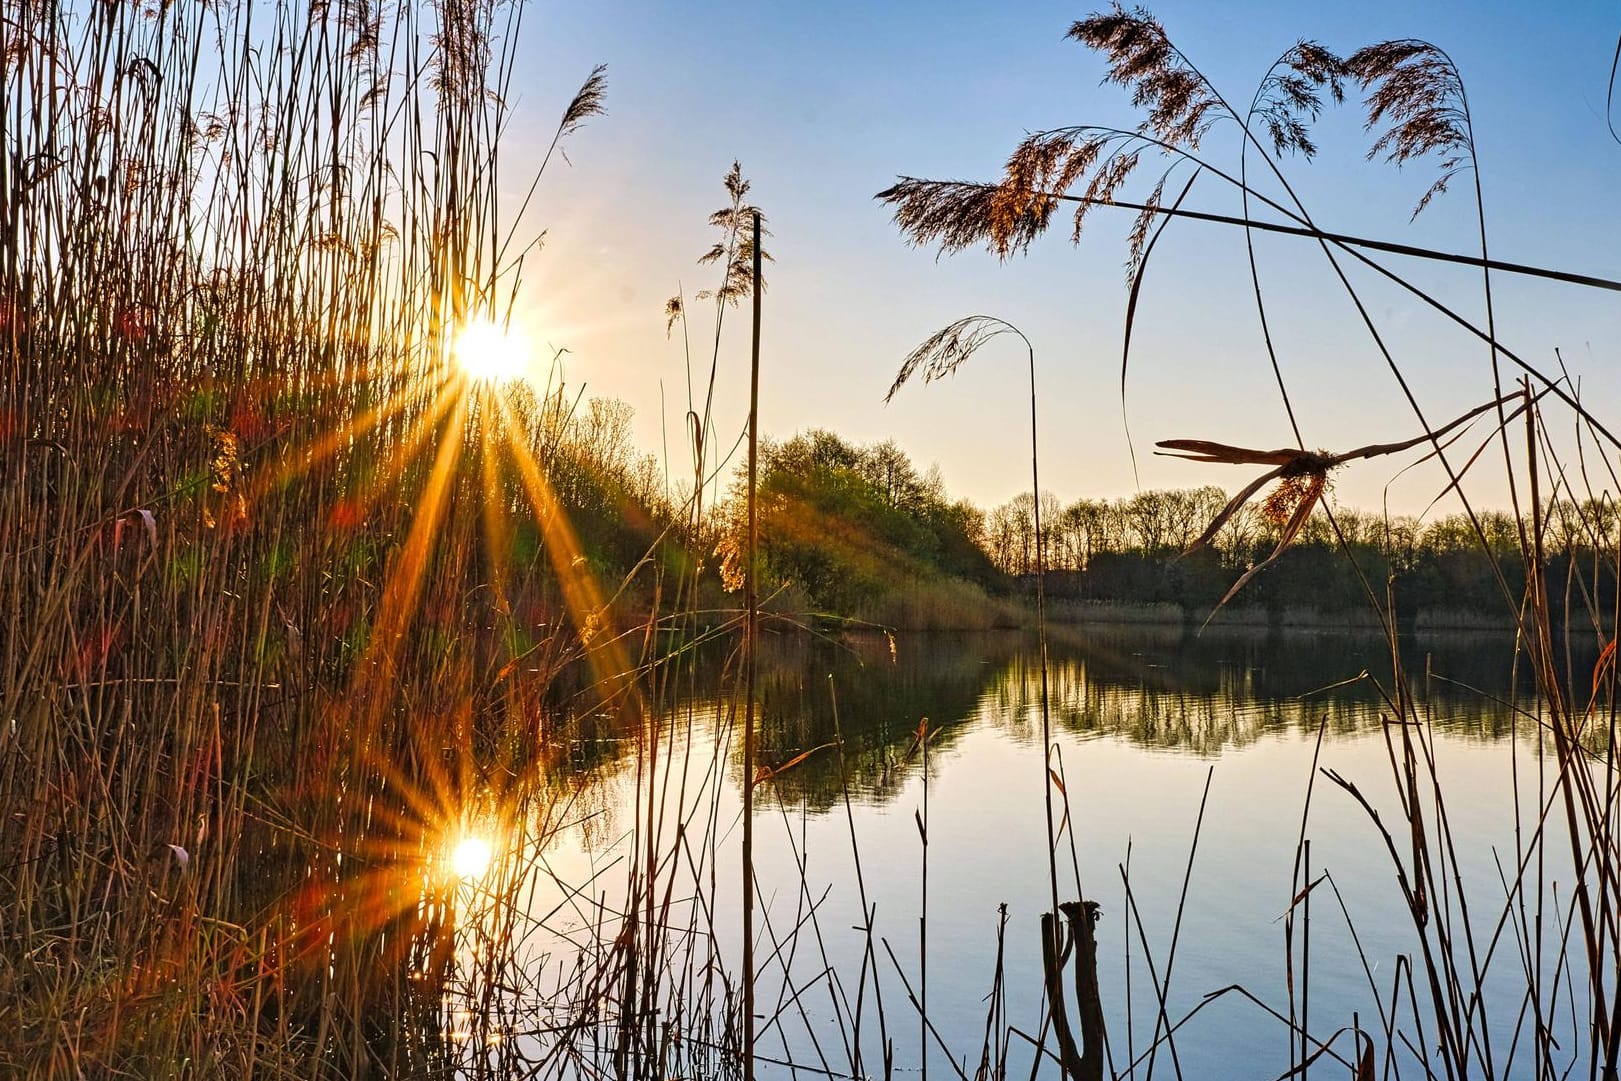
x=1146 y=717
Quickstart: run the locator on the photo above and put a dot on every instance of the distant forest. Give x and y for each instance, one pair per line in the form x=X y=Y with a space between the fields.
x=858 y=532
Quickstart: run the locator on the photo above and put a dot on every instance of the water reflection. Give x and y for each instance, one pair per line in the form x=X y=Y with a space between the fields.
x=1139 y=716
x=470 y=858
x=1162 y=688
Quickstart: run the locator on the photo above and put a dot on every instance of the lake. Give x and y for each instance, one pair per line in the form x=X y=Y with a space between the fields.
x=1180 y=774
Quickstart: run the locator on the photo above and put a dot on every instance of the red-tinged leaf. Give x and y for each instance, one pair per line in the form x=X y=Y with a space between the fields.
x=1058 y=784
x=345 y=515
x=1364 y=1061
x=1291 y=529
x=1232 y=508
x=1606 y=662
x=919 y=738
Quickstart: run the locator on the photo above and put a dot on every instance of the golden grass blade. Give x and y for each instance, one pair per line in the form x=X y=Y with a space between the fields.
x=766 y=773
x=1305 y=890
x=919 y=738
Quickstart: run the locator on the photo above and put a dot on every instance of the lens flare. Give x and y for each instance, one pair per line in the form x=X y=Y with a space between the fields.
x=489 y=353
x=471 y=858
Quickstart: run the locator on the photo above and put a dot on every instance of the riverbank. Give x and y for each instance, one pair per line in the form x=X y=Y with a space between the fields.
x=954 y=605
x=1290 y=617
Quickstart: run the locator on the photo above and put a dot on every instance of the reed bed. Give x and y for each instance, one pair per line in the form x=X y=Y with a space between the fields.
x=258 y=675
x=295 y=606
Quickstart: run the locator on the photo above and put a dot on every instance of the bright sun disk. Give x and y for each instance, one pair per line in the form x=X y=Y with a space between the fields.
x=488 y=353
x=471 y=858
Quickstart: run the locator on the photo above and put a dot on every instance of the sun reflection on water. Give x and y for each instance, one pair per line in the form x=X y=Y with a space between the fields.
x=471 y=858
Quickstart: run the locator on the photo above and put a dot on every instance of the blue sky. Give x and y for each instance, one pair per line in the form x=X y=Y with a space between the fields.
x=825 y=104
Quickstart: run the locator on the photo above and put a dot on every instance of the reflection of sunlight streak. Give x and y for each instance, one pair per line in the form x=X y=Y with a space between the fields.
x=581 y=594
x=381 y=873
x=406 y=866
x=400 y=832
x=408 y=799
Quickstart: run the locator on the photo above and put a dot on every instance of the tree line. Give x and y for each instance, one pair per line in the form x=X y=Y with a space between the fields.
x=854 y=530
x=1135 y=549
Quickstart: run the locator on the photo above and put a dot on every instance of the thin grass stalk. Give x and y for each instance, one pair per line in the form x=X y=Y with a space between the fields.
x=1131 y=1008
x=929 y=1027
x=1571 y=774
x=1161 y=991
x=869 y=963
x=1299 y=879
x=1176 y=928
x=993 y=1049
x=1041 y=632
x=923 y=913
x=1305 y=963
x=840 y=1005
x=1311 y=232
x=751 y=637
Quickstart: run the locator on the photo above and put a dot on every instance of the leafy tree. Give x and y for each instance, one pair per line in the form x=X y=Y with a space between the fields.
x=847 y=524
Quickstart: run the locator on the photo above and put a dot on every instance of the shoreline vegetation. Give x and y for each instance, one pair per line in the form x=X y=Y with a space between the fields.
x=859 y=533
x=319 y=629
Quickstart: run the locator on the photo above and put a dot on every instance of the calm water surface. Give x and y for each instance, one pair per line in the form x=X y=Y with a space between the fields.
x=1143 y=719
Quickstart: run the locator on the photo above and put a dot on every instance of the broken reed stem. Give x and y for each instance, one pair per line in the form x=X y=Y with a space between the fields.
x=1053 y=955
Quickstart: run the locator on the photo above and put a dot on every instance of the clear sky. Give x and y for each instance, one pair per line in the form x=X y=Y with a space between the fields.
x=826 y=103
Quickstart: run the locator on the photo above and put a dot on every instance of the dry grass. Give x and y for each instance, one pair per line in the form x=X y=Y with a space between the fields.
x=249 y=703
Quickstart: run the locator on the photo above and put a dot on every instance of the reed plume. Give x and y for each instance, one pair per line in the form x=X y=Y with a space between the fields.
x=1416 y=88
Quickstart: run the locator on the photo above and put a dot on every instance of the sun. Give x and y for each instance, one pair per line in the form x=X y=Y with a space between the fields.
x=471 y=858
x=489 y=353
